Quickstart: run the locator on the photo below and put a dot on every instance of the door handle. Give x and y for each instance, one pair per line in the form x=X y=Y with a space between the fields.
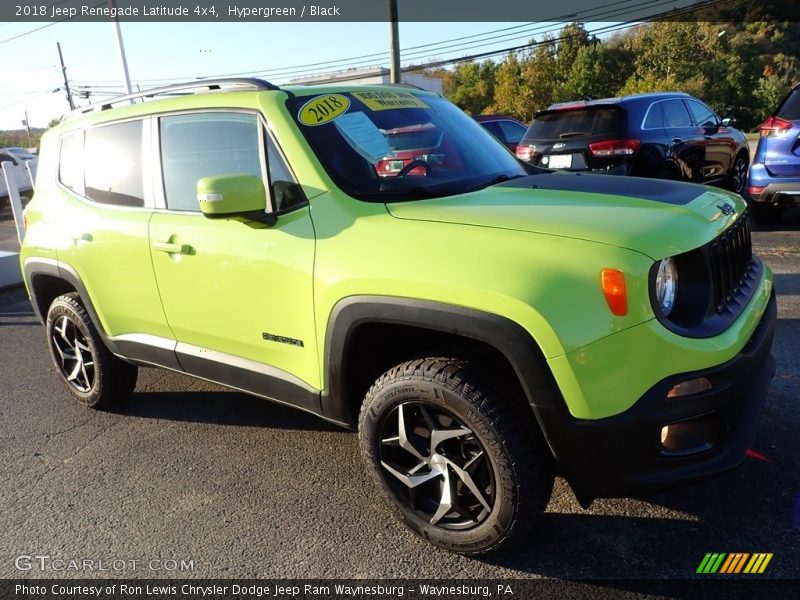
x=170 y=248
x=676 y=140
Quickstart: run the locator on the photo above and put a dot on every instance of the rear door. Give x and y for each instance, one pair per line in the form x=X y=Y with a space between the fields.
x=687 y=144
x=104 y=217
x=781 y=147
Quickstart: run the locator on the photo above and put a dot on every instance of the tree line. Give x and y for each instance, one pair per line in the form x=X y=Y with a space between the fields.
x=739 y=69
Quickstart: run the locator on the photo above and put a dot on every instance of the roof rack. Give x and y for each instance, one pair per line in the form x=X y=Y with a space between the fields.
x=208 y=84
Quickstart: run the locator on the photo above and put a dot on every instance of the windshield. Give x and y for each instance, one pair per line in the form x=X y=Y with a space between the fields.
x=566 y=123
x=392 y=145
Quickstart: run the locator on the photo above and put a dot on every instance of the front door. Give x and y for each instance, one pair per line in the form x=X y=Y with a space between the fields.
x=687 y=146
x=238 y=297
x=720 y=145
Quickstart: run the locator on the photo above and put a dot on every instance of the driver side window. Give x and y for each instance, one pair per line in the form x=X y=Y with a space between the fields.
x=703 y=116
x=200 y=145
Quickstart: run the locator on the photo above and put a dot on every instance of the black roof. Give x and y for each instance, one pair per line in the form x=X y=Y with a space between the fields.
x=617 y=100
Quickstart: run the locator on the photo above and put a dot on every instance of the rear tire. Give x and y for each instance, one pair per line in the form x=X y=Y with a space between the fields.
x=459 y=465
x=93 y=375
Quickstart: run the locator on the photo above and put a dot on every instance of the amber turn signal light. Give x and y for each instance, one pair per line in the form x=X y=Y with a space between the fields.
x=613 y=284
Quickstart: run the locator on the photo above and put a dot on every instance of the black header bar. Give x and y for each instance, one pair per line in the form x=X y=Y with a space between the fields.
x=409 y=10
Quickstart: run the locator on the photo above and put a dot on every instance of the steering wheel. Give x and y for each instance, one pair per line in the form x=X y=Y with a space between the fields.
x=413 y=165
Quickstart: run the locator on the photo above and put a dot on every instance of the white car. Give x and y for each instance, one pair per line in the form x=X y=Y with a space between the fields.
x=19 y=171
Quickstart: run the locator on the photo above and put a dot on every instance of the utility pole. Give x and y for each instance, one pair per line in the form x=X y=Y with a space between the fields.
x=126 y=77
x=28 y=127
x=394 y=43
x=66 y=83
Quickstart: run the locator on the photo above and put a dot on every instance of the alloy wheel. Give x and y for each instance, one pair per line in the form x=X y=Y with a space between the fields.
x=739 y=175
x=437 y=466
x=74 y=354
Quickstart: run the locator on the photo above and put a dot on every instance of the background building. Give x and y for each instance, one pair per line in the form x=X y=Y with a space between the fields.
x=370 y=75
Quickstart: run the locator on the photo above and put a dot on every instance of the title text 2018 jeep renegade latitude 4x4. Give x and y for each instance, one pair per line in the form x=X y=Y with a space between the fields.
x=480 y=321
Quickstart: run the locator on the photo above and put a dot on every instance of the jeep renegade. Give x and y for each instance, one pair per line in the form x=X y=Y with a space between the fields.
x=484 y=324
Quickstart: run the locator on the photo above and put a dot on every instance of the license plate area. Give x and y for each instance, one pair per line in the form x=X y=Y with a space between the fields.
x=559 y=161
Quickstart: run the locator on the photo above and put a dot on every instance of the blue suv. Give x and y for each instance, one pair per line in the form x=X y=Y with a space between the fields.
x=775 y=175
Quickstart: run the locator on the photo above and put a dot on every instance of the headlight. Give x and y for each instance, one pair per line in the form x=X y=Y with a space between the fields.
x=666 y=285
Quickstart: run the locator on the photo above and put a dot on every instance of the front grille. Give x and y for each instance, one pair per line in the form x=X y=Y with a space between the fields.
x=731 y=261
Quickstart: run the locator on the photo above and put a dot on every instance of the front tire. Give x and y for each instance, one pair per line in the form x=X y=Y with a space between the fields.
x=460 y=466
x=737 y=179
x=92 y=374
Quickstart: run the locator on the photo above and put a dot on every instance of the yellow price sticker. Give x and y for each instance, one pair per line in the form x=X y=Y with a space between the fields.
x=323 y=109
x=388 y=100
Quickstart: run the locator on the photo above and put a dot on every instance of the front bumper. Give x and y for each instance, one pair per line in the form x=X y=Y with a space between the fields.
x=617 y=455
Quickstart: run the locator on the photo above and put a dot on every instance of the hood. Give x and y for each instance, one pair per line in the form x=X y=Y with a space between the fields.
x=658 y=218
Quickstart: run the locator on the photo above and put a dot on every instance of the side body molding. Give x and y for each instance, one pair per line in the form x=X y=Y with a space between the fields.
x=147 y=350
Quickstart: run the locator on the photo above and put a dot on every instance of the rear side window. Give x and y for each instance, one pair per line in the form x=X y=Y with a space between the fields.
x=113 y=164
x=655 y=117
x=512 y=133
x=563 y=124
x=202 y=145
x=493 y=128
x=790 y=107
x=70 y=162
x=676 y=114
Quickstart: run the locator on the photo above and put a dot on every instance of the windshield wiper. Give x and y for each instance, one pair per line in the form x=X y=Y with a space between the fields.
x=569 y=134
x=499 y=179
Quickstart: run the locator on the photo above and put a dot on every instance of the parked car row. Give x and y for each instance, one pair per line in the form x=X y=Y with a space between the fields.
x=667 y=136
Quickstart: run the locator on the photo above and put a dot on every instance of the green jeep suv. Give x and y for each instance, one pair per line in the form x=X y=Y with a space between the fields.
x=371 y=255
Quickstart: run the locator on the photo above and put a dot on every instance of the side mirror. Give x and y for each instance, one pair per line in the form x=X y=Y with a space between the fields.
x=239 y=197
x=729 y=121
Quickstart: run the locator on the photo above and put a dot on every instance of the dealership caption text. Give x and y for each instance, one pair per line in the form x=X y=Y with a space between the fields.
x=270 y=591
x=228 y=10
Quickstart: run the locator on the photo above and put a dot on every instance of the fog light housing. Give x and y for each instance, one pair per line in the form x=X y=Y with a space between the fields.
x=690 y=436
x=687 y=388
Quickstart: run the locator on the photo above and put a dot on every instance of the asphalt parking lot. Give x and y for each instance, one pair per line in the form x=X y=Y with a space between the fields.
x=186 y=470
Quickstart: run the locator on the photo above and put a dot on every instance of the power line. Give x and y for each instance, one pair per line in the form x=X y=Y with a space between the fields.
x=516 y=49
x=42 y=93
x=447 y=47
x=292 y=68
x=604 y=29
x=598 y=12
x=16 y=37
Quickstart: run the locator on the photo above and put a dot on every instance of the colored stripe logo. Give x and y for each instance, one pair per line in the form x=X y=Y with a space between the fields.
x=734 y=562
